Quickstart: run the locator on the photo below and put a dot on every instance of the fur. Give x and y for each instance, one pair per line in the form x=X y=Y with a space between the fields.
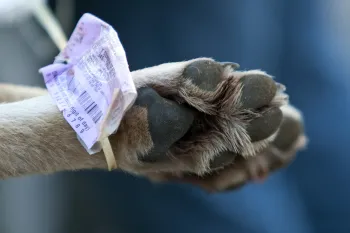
x=34 y=137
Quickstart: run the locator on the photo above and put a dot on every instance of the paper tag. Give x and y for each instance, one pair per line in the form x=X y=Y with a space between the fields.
x=91 y=83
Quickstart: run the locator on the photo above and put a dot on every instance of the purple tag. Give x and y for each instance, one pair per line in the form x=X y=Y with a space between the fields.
x=90 y=81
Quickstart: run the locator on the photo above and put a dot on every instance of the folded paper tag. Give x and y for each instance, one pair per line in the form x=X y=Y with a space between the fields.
x=91 y=83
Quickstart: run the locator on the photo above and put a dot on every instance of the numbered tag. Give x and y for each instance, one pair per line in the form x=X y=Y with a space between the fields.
x=91 y=83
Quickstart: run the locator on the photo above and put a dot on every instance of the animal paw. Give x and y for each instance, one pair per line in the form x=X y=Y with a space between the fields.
x=195 y=118
x=280 y=153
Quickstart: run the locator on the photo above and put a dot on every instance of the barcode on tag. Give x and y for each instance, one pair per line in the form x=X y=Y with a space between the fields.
x=90 y=106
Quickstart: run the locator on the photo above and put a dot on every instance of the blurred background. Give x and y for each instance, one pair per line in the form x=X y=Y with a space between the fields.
x=305 y=44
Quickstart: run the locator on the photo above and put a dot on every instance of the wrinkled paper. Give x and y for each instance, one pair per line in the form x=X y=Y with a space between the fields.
x=90 y=81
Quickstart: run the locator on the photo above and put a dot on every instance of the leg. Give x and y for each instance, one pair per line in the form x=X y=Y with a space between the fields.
x=209 y=109
x=12 y=93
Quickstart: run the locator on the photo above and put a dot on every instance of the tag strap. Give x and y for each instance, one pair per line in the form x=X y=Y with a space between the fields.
x=93 y=88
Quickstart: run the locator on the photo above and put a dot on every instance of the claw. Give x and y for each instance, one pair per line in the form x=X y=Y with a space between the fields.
x=233 y=65
x=280 y=87
x=261 y=177
x=258 y=170
x=222 y=160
